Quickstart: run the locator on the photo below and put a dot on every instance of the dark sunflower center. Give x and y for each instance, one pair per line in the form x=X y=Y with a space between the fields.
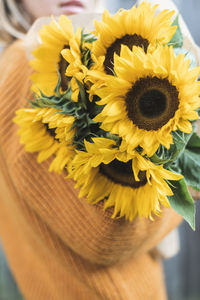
x=122 y=173
x=63 y=64
x=51 y=131
x=128 y=40
x=152 y=102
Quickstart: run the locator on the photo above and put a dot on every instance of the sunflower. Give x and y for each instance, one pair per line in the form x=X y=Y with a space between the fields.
x=129 y=182
x=94 y=76
x=138 y=26
x=74 y=57
x=151 y=95
x=38 y=133
x=48 y=59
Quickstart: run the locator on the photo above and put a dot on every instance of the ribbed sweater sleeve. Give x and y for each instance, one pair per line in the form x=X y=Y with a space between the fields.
x=88 y=230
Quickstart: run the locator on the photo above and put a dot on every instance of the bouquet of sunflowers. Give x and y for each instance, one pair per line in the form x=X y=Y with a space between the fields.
x=116 y=109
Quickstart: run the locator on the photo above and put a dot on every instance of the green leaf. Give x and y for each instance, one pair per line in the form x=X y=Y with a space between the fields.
x=180 y=141
x=182 y=202
x=57 y=88
x=87 y=37
x=177 y=39
x=189 y=162
x=83 y=98
x=168 y=156
x=194 y=141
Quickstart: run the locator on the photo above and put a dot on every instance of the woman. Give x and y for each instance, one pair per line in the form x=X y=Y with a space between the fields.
x=59 y=246
x=16 y=16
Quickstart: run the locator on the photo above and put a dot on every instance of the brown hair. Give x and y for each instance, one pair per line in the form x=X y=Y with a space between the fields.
x=14 y=21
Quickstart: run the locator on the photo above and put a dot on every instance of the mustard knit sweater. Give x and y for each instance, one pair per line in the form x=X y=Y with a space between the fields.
x=60 y=247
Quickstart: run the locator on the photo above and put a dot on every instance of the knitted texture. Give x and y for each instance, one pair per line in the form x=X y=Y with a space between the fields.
x=59 y=246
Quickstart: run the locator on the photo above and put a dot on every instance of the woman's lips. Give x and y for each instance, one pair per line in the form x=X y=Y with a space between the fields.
x=72 y=7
